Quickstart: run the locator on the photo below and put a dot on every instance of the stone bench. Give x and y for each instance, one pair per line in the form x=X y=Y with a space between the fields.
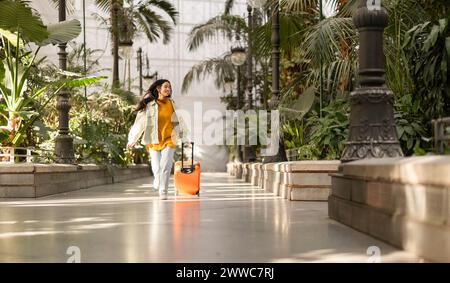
x=30 y=180
x=256 y=173
x=246 y=172
x=403 y=201
x=231 y=169
x=308 y=180
x=272 y=176
x=300 y=180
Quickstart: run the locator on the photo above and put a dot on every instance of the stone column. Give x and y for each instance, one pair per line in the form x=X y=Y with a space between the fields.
x=372 y=125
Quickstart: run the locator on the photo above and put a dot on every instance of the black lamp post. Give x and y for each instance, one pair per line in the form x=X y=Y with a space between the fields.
x=64 y=152
x=148 y=79
x=249 y=150
x=249 y=73
x=238 y=58
x=115 y=42
x=126 y=41
x=372 y=125
x=280 y=156
x=139 y=64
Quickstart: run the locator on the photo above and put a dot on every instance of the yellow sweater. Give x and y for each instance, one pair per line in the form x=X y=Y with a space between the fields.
x=165 y=127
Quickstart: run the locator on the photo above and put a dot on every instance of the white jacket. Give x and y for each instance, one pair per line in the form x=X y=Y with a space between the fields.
x=146 y=123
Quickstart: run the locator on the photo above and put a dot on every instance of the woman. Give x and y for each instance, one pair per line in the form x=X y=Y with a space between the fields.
x=157 y=120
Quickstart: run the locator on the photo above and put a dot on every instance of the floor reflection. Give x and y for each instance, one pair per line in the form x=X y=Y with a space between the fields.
x=185 y=226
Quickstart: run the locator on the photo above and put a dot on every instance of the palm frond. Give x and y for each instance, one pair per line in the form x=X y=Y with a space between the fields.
x=163 y=5
x=403 y=15
x=228 y=6
x=105 y=5
x=337 y=74
x=62 y=32
x=348 y=9
x=69 y=6
x=222 y=25
x=323 y=40
x=297 y=5
x=153 y=25
x=220 y=67
x=291 y=35
x=17 y=15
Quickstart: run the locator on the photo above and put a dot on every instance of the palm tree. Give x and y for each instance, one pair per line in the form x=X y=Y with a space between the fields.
x=226 y=26
x=146 y=16
x=221 y=67
x=143 y=16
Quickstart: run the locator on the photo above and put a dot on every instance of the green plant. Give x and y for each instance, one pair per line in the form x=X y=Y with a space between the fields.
x=293 y=134
x=428 y=47
x=101 y=129
x=329 y=132
x=17 y=107
x=411 y=129
x=99 y=122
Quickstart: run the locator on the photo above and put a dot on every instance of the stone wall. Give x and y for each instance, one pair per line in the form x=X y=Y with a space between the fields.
x=403 y=201
x=38 y=180
x=296 y=180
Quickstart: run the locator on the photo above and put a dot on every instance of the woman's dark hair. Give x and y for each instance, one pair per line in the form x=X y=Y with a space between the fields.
x=150 y=95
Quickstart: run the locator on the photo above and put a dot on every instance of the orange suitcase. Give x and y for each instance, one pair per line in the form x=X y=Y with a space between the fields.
x=187 y=178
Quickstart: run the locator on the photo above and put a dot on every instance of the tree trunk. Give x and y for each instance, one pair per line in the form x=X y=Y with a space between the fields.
x=115 y=42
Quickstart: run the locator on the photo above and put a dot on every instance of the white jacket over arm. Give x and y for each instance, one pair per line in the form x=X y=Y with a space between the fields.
x=146 y=126
x=138 y=128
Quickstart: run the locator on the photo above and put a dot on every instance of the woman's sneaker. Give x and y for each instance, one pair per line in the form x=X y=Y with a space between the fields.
x=163 y=195
x=155 y=184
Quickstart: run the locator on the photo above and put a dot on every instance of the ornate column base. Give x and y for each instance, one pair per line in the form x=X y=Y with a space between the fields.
x=372 y=126
x=64 y=149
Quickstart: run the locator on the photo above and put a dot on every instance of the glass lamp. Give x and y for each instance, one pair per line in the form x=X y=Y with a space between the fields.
x=238 y=56
x=126 y=49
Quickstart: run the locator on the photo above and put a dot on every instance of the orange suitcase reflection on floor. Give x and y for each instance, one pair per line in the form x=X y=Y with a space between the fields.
x=186 y=225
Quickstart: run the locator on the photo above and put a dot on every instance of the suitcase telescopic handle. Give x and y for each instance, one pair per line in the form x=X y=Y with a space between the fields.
x=191 y=169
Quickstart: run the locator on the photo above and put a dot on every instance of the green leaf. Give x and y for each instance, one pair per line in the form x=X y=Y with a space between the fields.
x=2 y=72
x=62 y=32
x=447 y=46
x=432 y=38
x=84 y=81
x=442 y=25
x=297 y=109
x=15 y=15
x=410 y=143
x=11 y=37
x=409 y=130
x=418 y=150
x=400 y=131
x=27 y=114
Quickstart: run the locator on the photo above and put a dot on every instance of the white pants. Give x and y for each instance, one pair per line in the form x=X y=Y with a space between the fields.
x=161 y=162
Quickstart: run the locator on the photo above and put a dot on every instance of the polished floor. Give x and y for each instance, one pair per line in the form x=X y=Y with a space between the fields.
x=231 y=222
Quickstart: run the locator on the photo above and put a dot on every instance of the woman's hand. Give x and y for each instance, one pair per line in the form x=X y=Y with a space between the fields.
x=130 y=146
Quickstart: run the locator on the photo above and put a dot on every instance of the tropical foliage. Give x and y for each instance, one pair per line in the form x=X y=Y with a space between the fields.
x=18 y=109
x=322 y=52
x=99 y=122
